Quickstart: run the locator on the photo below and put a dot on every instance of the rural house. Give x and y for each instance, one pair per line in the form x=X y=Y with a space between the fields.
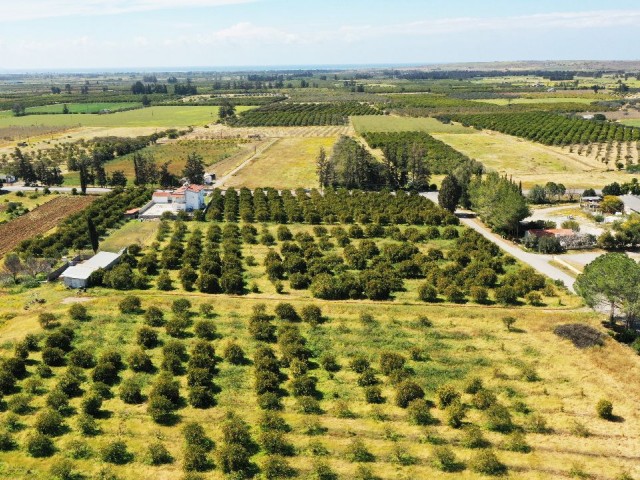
x=186 y=198
x=77 y=276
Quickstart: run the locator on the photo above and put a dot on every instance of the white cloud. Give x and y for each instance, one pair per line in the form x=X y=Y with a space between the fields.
x=564 y=20
x=244 y=33
x=33 y=9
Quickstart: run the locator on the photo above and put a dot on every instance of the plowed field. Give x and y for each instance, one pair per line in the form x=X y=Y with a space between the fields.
x=40 y=220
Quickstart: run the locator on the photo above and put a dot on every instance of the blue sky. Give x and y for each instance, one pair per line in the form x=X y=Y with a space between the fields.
x=48 y=34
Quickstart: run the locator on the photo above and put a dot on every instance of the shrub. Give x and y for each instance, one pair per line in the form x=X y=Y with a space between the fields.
x=359 y=364
x=47 y=320
x=408 y=391
x=194 y=436
x=455 y=414
x=206 y=309
x=604 y=409
x=201 y=397
x=499 y=419
x=506 y=295
x=373 y=394
x=485 y=462
x=130 y=391
x=447 y=395
x=157 y=454
x=130 y=304
x=517 y=443
x=79 y=449
x=390 y=362
x=180 y=305
x=427 y=292
x=233 y=354
x=537 y=424
x=147 y=337
x=48 y=422
x=483 y=399
x=164 y=282
x=91 y=404
x=472 y=438
x=286 y=311
x=154 y=317
x=233 y=457
x=195 y=459
x=329 y=363
x=273 y=442
x=62 y=470
x=312 y=314
x=309 y=405
x=367 y=378
x=444 y=459
x=358 y=452
x=269 y=401
x=419 y=412
x=6 y=442
x=105 y=372
x=160 y=409
x=139 y=361
x=39 y=445
x=479 y=294
x=87 y=425
x=116 y=452
x=473 y=386
x=82 y=358
x=205 y=329
x=78 y=312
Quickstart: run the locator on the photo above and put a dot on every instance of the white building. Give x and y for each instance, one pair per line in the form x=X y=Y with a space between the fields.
x=77 y=276
x=187 y=197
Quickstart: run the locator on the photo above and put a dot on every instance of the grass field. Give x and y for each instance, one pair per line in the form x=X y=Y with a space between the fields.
x=379 y=123
x=461 y=342
x=132 y=232
x=632 y=123
x=83 y=107
x=145 y=117
x=532 y=163
x=288 y=164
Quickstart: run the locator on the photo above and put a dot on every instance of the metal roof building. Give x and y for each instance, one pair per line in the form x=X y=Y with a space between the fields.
x=77 y=276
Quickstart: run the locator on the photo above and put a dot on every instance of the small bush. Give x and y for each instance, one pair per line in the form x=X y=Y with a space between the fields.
x=78 y=312
x=309 y=405
x=53 y=357
x=205 y=329
x=48 y=422
x=472 y=438
x=516 y=442
x=390 y=362
x=406 y=392
x=154 y=317
x=234 y=354
x=87 y=425
x=359 y=364
x=358 y=452
x=91 y=404
x=455 y=415
x=419 y=412
x=47 y=320
x=312 y=314
x=130 y=392
x=443 y=459
x=485 y=462
x=180 y=305
x=269 y=401
x=7 y=442
x=604 y=409
x=116 y=452
x=206 y=309
x=447 y=395
x=483 y=399
x=130 y=304
x=62 y=470
x=157 y=454
x=499 y=419
x=39 y=445
x=286 y=311
x=427 y=293
x=79 y=449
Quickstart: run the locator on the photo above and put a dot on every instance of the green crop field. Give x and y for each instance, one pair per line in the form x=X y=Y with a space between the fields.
x=378 y=123
x=83 y=107
x=146 y=117
x=631 y=122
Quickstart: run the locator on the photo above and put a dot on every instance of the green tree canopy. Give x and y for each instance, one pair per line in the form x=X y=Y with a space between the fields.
x=611 y=279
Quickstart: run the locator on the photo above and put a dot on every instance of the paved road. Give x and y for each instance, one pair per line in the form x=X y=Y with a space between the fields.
x=90 y=190
x=537 y=261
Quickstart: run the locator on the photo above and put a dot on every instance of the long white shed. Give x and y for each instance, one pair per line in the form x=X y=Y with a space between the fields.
x=78 y=275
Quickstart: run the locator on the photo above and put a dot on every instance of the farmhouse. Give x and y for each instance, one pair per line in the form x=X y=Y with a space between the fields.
x=590 y=203
x=186 y=198
x=77 y=276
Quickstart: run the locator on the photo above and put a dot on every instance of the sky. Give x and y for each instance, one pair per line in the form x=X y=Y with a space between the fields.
x=93 y=34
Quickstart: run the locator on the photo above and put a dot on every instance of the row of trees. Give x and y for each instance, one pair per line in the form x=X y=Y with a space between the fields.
x=552 y=129
x=334 y=206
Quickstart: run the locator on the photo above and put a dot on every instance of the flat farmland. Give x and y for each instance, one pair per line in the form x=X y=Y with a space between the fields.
x=84 y=107
x=532 y=163
x=635 y=122
x=527 y=101
x=30 y=200
x=132 y=232
x=380 y=123
x=164 y=117
x=40 y=220
x=288 y=163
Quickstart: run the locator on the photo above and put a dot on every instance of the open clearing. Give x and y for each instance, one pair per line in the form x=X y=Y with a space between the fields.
x=288 y=164
x=134 y=232
x=40 y=220
x=151 y=117
x=632 y=122
x=29 y=200
x=83 y=107
x=385 y=123
x=532 y=163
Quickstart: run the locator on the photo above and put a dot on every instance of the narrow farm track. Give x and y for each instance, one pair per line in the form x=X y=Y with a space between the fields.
x=40 y=220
